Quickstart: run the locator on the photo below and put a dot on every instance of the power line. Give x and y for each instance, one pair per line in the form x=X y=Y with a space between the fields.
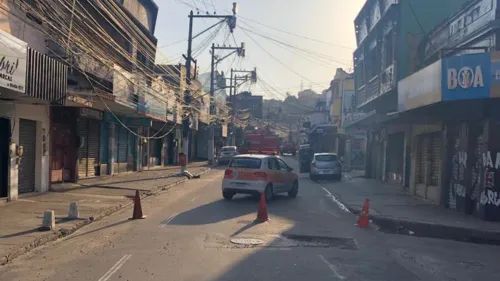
x=298 y=35
x=420 y=24
x=276 y=59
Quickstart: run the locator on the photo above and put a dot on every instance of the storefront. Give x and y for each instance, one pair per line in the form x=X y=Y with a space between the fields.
x=395 y=154
x=428 y=153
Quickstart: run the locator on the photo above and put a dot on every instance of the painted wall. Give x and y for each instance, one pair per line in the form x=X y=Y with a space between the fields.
x=409 y=27
x=138 y=9
x=16 y=24
x=39 y=113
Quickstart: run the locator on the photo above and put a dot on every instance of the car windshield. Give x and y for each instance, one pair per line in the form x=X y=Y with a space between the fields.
x=228 y=149
x=326 y=158
x=246 y=162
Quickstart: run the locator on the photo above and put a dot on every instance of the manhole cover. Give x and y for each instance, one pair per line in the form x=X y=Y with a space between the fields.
x=244 y=241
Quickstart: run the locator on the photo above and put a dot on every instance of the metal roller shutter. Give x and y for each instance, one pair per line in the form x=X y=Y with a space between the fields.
x=422 y=159
x=122 y=145
x=82 y=150
x=132 y=139
x=92 y=147
x=435 y=160
x=27 y=139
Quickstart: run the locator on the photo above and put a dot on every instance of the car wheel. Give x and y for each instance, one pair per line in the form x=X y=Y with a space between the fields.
x=227 y=195
x=295 y=189
x=311 y=177
x=269 y=193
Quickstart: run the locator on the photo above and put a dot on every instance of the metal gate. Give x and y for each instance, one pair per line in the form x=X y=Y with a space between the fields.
x=27 y=139
x=422 y=159
x=88 y=152
x=435 y=155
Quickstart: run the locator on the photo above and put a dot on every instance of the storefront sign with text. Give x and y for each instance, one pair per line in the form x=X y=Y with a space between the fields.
x=12 y=62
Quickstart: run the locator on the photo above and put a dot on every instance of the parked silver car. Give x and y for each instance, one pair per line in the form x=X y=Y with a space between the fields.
x=325 y=165
x=226 y=154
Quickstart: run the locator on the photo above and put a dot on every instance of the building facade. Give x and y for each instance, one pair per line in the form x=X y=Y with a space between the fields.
x=27 y=91
x=437 y=134
x=454 y=149
x=114 y=112
x=388 y=35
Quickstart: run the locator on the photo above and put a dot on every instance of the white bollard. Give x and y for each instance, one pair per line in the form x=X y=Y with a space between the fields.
x=49 y=220
x=73 y=212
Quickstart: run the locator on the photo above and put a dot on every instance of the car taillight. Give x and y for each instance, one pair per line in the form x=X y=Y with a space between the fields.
x=261 y=175
x=228 y=174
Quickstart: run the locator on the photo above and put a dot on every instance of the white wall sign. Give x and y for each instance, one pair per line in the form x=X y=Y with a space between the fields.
x=12 y=62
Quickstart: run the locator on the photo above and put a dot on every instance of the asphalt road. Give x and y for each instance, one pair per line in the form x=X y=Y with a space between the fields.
x=188 y=231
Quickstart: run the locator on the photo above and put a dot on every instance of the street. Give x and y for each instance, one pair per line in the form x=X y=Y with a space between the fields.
x=188 y=231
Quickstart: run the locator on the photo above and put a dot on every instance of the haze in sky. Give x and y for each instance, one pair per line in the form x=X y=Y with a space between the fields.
x=274 y=32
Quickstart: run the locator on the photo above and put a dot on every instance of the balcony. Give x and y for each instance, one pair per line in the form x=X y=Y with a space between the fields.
x=369 y=91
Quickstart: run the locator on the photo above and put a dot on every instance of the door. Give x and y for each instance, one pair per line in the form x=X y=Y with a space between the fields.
x=88 y=152
x=275 y=174
x=286 y=174
x=82 y=150
x=27 y=139
x=93 y=147
x=4 y=156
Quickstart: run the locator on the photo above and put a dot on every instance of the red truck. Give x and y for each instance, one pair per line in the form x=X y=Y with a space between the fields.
x=260 y=142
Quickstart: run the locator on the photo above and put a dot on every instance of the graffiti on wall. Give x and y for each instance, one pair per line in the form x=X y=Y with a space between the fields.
x=459 y=168
x=489 y=194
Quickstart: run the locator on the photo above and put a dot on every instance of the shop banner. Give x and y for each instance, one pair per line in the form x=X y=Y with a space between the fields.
x=12 y=62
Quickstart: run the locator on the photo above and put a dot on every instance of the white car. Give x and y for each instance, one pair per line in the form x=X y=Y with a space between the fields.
x=227 y=153
x=325 y=165
x=256 y=174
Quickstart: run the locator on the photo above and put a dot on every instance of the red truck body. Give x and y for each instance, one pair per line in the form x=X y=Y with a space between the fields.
x=260 y=142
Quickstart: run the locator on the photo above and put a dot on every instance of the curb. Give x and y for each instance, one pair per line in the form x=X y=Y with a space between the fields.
x=61 y=233
x=408 y=227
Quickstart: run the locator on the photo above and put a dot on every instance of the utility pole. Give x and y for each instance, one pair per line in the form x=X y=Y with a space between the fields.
x=241 y=52
x=231 y=21
x=250 y=75
x=233 y=106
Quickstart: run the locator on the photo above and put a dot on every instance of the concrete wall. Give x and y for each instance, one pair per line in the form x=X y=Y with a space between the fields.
x=39 y=113
x=15 y=22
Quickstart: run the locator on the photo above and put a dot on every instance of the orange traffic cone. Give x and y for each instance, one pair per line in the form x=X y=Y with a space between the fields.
x=262 y=213
x=137 y=207
x=363 y=219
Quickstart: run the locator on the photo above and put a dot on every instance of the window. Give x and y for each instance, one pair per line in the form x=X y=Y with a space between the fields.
x=326 y=158
x=246 y=162
x=283 y=165
x=228 y=149
x=272 y=164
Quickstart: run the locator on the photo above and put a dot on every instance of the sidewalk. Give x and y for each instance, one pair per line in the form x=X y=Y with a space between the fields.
x=97 y=198
x=393 y=210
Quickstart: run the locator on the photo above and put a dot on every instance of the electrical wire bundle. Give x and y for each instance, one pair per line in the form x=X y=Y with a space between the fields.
x=86 y=40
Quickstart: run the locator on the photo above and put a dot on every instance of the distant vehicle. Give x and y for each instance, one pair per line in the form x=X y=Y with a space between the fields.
x=254 y=174
x=325 y=165
x=288 y=148
x=260 y=141
x=226 y=154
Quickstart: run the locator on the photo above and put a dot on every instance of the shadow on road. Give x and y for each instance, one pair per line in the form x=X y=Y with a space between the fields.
x=217 y=211
x=99 y=229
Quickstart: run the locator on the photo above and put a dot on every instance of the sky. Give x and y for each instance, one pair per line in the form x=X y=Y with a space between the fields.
x=292 y=43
